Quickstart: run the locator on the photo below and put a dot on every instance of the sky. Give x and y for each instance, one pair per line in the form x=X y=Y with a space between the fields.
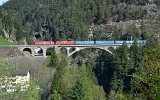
x=2 y=1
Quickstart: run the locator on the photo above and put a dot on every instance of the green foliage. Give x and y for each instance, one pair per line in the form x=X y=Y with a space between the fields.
x=19 y=33
x=4 y=42
x=54 y=59
x=56 y=96
x=117 y=96
x=77 y=92
x=147 y=78
x=130 y=73
x=33 y=93
x=5 y=68
x=5 y=79
x=136 y=55
x=57 y=82
x=61 y=19
x=127 y=72
x=133 y=31
x=121 y=65
x=11 y=25
x=73 y=83
x=29 y=39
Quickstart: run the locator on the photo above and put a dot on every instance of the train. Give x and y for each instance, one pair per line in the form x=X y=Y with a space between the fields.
x=98 y=42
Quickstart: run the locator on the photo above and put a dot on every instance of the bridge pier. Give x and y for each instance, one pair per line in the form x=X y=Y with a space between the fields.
x=44 y=52
x=32 y=54
x=68 y=50
x=57 y=49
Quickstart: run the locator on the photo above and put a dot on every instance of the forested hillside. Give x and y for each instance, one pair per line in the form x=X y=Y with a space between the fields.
x=10 y=28
x=126 y=74
x=72 y=19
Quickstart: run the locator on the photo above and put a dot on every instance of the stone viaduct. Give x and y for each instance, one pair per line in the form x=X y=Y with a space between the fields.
x=71 y=49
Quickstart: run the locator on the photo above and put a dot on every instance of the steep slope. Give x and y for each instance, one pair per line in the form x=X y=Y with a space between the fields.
x=10 y=28
x=62 y=20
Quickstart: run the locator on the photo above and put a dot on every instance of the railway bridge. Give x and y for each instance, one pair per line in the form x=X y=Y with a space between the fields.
x=41 y=50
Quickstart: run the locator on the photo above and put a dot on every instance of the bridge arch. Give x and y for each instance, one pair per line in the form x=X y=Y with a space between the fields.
x=27 y=51
x=82 y=48
x=38 y=51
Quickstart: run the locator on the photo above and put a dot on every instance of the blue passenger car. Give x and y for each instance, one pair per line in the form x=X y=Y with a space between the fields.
x=141 y=41
x=119 y=42
x=104 y=42
x=129 y=42
x=84 y=42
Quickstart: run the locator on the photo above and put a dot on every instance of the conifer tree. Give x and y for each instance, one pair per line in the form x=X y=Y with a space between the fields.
x=121 y=68
x=77 y=92
x=136 y=55
x=53 y=60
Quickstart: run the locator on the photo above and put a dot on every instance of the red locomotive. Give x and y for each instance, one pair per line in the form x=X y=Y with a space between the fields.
x=55 y=43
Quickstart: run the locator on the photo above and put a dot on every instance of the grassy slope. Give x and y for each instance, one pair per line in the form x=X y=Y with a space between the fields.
x=4 y=42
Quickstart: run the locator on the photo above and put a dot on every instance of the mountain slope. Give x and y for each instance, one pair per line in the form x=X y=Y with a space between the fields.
x=62 y=20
